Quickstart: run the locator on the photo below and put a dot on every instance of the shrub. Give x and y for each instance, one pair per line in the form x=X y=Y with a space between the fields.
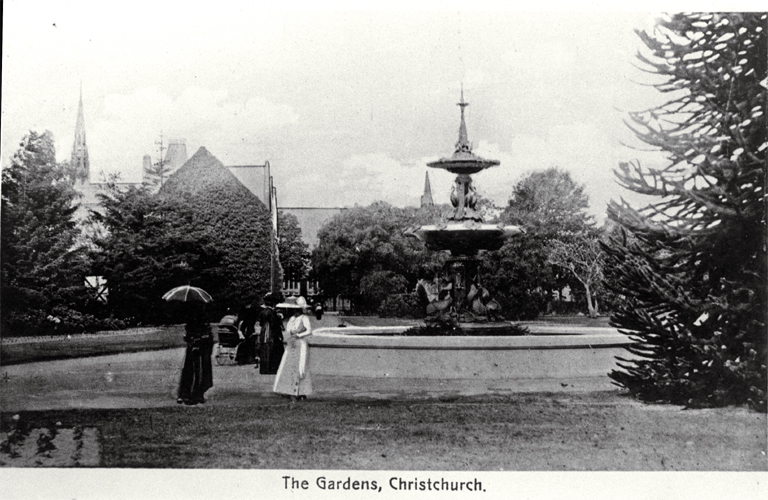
x=401 y=305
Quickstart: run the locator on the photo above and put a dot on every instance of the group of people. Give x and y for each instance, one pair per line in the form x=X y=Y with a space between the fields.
x=280 y=350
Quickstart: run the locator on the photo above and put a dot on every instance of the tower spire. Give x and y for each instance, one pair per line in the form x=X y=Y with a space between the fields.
x=463 y=146
x=79 y=162
x=426 y=198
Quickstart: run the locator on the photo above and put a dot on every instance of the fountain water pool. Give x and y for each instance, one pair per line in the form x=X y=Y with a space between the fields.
x=550 y=352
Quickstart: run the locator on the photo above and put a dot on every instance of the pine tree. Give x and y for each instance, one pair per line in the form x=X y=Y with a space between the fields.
x=691 y=267
x=42 y=272
x=150 y=245
x=158 y=172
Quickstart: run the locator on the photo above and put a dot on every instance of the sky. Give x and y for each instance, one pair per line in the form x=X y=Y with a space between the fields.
x=347 y=106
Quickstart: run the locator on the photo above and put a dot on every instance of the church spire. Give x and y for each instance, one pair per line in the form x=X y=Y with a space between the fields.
x=79 y=163
x=426 y=198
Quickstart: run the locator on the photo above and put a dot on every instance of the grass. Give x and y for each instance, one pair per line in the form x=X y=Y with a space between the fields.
x=247 y=426
x=80 y=346
x=590 y=431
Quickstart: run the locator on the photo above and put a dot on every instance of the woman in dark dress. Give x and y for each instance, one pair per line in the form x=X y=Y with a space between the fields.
x=197 y=372
x=271 y=335
x=246 y=351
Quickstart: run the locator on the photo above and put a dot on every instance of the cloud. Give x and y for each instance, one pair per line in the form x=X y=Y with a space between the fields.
x=360 y=179
x=128 y=126
x=345 y=106
x=363 y=179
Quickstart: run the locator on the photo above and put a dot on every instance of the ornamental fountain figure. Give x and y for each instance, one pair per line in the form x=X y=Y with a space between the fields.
x=461 y=298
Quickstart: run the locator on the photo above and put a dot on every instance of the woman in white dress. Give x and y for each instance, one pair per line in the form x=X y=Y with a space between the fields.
x=293 y=377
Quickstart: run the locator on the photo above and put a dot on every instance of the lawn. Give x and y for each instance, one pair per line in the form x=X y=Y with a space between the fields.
x=17 y=350
x=247 y=426
x=524 y=432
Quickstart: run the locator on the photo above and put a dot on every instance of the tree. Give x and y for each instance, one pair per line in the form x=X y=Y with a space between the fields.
x=295 y=257
x=584 y=258
x=158 y=172
x=549 y=201
x=42 y=271
x=692 y=266
x=551 y=206
x=150 y=245
x=377 y=286
x=362 y=246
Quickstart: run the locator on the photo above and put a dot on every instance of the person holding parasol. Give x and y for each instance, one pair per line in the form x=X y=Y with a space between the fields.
x=197 y=371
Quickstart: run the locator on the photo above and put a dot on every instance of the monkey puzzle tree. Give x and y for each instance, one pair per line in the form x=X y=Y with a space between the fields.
x=692 y=266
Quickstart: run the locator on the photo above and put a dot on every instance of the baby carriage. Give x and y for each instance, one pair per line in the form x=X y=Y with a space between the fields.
x=229 y=339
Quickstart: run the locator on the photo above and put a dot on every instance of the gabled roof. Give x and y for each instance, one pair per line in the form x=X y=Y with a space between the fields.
x=204 y=173
x=255 y=178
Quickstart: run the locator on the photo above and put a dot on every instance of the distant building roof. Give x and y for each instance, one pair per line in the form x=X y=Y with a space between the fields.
x=176 y=155
x=311 y=219
x=255 y=178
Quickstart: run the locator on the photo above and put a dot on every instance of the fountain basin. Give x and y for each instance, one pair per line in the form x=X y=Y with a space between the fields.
x=468 y=237
x=364 y=352
x=463 y=163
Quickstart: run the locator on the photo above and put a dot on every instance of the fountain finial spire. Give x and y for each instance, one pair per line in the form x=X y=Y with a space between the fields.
x=463 y=146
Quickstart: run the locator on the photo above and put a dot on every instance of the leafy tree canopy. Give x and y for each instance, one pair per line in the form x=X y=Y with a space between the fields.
x=295 y=257
x=152 y=244
x=360 y=246
x=549 y=205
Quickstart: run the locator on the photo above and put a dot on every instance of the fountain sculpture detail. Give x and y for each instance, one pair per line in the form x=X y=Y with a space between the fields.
x=457 y=296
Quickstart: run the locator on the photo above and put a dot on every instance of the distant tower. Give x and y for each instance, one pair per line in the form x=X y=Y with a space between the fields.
x=426 y=198
x=81 y=167
x=177 y=155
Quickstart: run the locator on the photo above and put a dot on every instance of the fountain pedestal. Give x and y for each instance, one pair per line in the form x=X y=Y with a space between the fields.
x=464 y=235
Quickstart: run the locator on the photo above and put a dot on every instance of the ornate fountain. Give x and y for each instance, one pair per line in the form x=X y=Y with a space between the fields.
x=456 y=297
x=462 y=344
